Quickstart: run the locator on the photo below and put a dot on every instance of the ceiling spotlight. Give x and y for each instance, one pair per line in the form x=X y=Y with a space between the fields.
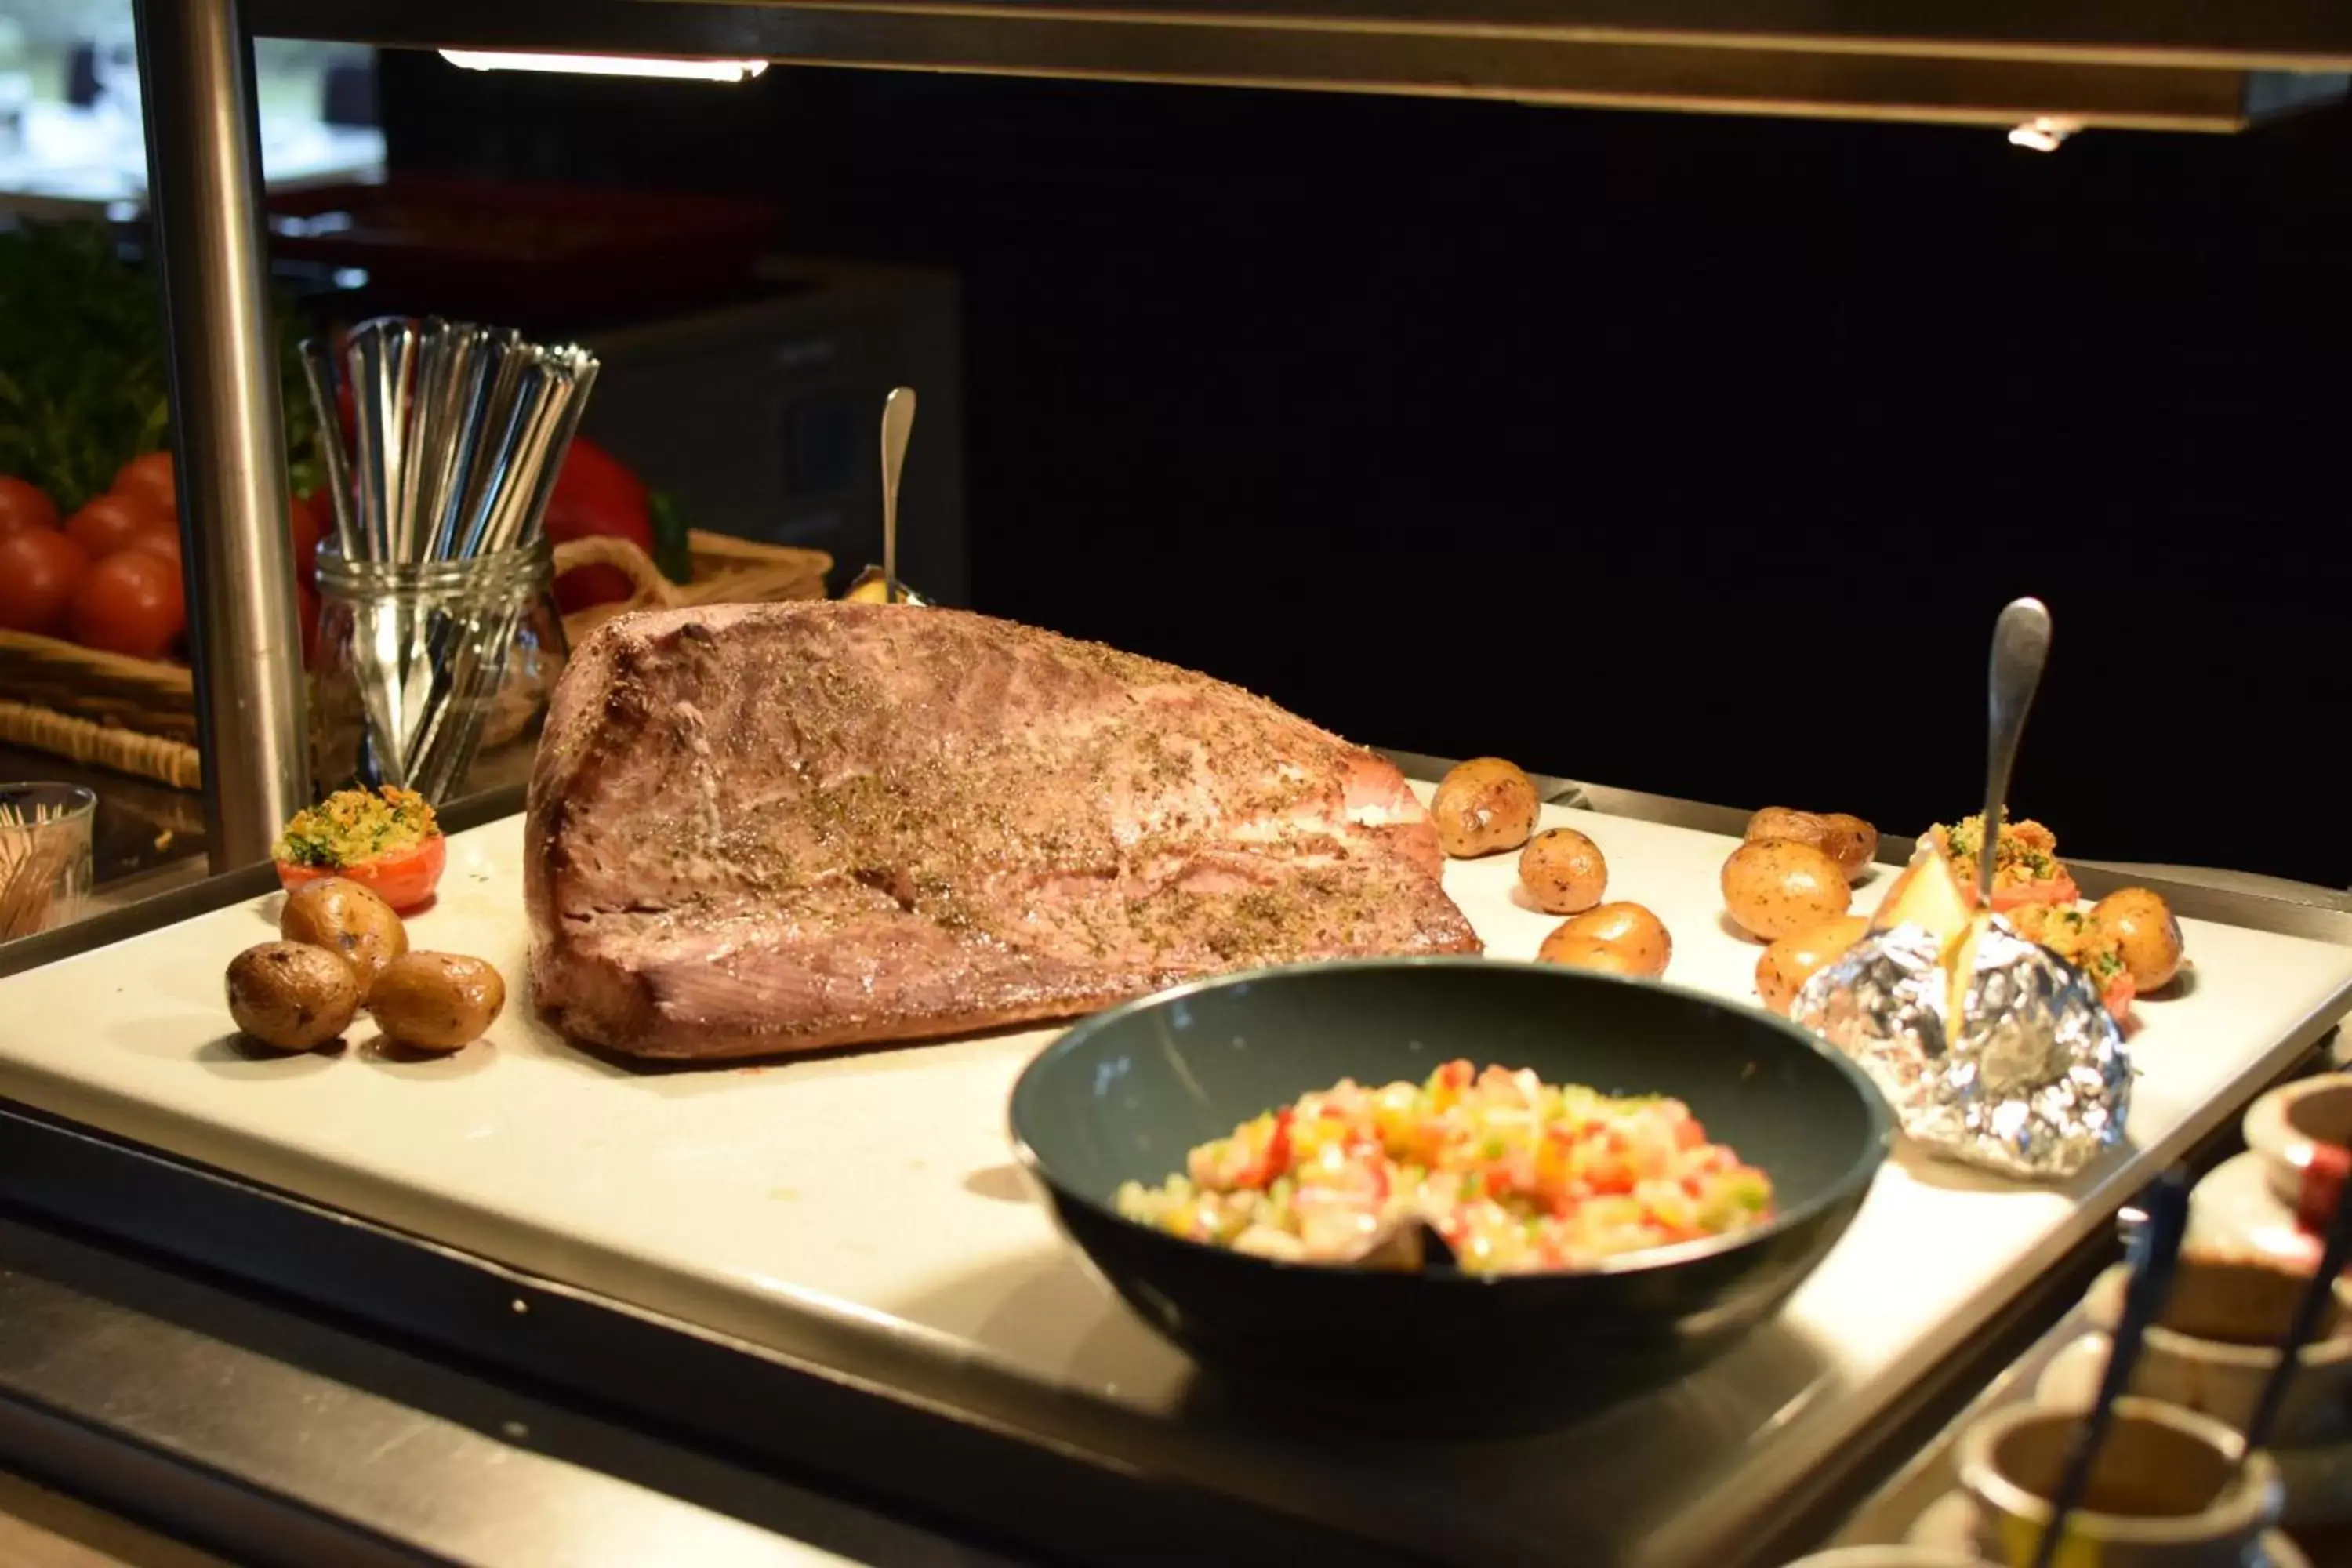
x=607 y=65
x=2043 y=133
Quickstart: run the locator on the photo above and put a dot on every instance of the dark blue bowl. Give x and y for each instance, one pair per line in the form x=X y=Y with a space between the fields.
x=1124 y=1095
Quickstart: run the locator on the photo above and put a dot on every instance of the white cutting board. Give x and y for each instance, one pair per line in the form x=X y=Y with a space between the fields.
x=863 y=1206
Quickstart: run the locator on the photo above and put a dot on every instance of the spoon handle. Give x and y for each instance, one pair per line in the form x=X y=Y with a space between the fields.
x=898 y=423
x=2332 y=1256
x=2155 y=1249
x=2020 y=646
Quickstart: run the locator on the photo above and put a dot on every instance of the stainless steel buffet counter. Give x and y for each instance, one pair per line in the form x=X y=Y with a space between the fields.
x=153 y=1355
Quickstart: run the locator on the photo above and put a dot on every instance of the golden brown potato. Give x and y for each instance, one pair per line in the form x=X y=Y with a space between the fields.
x=1484 y=806
x=437 y=1000
x=1851 y=842
x=1630 y=928
x=347 y=919
x=1577 y=950
x=2145 y=932
x=1788 y=962
x=291 y=997
x=1796 y=826
x=1776 y=888
x=1563 y=871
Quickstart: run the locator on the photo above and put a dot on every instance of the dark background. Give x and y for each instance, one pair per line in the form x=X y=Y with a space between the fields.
x=1688 y=454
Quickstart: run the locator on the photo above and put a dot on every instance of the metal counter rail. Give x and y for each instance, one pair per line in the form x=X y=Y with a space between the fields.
x=229 y=1421
x=663 y=1402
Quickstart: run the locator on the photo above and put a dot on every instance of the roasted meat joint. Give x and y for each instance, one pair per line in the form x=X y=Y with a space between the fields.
x=776 y=827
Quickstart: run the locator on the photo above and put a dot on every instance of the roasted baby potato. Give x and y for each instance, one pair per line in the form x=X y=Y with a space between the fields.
x=291 y=997
x=1484 y=806
x=1577 y=951
x=1640 y=935
x=2146 y=933
x=437 y=1000
x=1852 y=843
x=1782 y=822
x=347 y=918
x=1848 y=839
x=1788 y=962
x=1777 y=886
x=1562 y=872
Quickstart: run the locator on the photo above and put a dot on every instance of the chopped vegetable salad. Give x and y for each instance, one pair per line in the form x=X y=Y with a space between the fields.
x=1516 y=1174
x=353 y=825
x=2025 y=868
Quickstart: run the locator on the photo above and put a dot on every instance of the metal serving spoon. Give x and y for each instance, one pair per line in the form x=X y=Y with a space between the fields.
x=898 y=423
x=2155 y=1249
x=2020 y=646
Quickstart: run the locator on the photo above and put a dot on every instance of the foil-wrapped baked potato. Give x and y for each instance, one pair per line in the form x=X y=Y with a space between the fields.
x=1991 y=1049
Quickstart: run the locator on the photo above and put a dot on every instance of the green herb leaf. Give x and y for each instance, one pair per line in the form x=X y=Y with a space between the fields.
x=85 y=389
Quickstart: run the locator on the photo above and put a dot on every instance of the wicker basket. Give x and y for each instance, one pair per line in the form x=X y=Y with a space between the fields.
x=146 y=695
x=139 y=716
x=160 y=757
x=727 y=571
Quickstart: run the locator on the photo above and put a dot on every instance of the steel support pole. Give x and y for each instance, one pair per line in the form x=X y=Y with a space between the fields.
x=204 y=174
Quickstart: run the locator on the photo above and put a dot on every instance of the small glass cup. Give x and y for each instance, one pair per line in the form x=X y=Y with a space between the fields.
x=45 y=860
x=433 y=675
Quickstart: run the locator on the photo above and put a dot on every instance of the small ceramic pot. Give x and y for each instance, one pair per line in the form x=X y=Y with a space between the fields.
x=2303 y=1134
x=2213 y=1348
x=2167 y=1491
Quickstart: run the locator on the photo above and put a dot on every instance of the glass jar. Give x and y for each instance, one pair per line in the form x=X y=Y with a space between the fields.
x=44 y=856
x=433 y=675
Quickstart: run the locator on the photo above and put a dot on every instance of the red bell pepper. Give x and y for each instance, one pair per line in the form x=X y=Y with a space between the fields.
x=597 y=496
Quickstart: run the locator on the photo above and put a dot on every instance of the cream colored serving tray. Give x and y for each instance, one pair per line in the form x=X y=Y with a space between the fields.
x=863 y=1208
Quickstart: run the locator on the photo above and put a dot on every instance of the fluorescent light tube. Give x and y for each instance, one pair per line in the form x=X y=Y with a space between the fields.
x=607 y=65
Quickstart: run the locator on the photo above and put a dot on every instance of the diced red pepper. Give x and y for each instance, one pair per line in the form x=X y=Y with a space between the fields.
x=1271 y=1161
x=1609 y=1172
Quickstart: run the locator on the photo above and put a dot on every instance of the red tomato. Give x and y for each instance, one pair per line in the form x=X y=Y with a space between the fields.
x=39 y=570
x=163 y=542
x=23 y=506
x=111 y=522
x=2058 y=889
x=130 y=604
x=2118 y=996
x=164 y=538
x=306 y=613
x=403 y=878
x=148 y=478
x=303 y=518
